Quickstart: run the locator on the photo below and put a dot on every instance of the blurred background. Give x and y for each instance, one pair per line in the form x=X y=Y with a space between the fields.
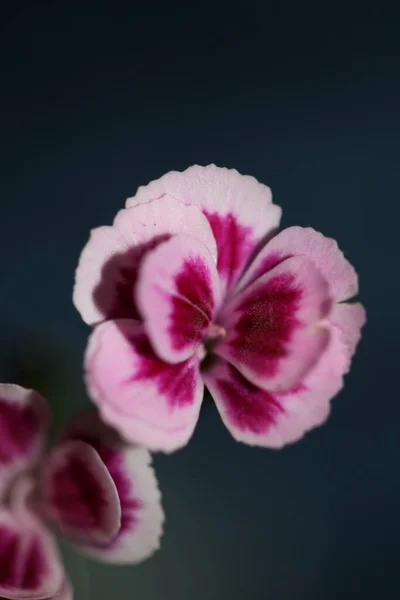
x=98 y=98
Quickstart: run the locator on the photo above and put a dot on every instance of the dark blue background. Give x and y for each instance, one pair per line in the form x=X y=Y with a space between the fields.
x=98 y=98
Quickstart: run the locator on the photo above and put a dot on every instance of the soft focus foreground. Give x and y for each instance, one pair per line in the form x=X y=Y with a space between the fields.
x=91 y=487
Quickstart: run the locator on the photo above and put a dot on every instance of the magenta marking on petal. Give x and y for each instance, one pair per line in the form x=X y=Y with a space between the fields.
x=177 y=382
x=35 y=566
x=267 y=321
x=193 y=307
x=127 y=265
x=248 y=407
x=9 y=545
x=130 y=506
x=17 y=572
x=18 y=429
x=235 y=244
x=77 y=495
x=268 y=263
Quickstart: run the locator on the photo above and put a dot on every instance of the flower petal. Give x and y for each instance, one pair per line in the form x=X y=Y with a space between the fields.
x=101 y=289
x=148 y=401
x=65 y=593
x=322 y=251
x=166 y=215
x=349 y=320
x=274 y=337
x=130 y=468
x=270 y=419
x=23 y=423
x=29 y=561
x=109 y=263
x=178 y=293
x=238 y=207
x=79 y=495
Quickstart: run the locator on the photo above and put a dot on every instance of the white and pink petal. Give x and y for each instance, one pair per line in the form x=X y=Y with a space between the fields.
x=273 y=419
x=238 y=207
x=178 y=294
x=109 y=263
x=164 y=216
x=322 y=251
x=24 y=420
x=149 y=402
x=102 y=287
x=79 y=496
x=273 y=334
x=348 y=319
x=130 y=469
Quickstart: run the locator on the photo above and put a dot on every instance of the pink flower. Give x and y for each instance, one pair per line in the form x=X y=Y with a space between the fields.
x=91 y=487
x=192 y=286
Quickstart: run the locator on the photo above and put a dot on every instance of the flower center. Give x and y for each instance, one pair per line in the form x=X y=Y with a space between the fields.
x=213 y=335
x=215 y=332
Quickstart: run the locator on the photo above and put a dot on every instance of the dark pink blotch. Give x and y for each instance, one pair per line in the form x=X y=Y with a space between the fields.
x=130 y=505
x=266 y=324
x=193 y=304
x=124 y=269
x=35 y=565
x=28 y=575
x=248 y=407
x=18 y=430
x=113 y=459
x=235 y=244
x=77 y=495
x=177 y=382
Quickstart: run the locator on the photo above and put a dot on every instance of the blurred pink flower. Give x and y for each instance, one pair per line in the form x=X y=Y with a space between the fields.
x=192 y=286
x=91 y=487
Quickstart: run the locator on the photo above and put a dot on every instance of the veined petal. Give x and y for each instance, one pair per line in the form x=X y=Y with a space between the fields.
x=238 y=207
x=109 y=263
x=270 y=419
x=178 y=293
x=322 y=251
x=130 y=468
x=30 y=565
x=23 y=424
x=148 y=401
x=78 y=494
x=274 y=337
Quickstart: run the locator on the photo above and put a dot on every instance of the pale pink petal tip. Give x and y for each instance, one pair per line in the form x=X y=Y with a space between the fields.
x=65 y=593
x=349 y=319
x=24 y=418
